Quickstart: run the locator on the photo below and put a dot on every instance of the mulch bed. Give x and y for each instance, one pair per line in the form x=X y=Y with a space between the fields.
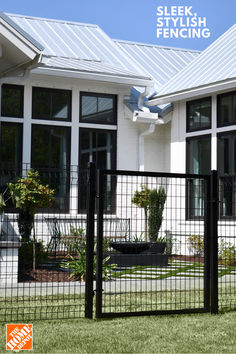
x=196 y=259
x=44 y=275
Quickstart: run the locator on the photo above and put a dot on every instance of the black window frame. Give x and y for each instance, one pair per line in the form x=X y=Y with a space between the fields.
x=102 y=95
x=219 y=97
x=52 y=90
x=12 y=171
x=228 y=176
x=188 y=211
x=113 y=167
x=52 y=169
x=21 y=89
x=188 y=104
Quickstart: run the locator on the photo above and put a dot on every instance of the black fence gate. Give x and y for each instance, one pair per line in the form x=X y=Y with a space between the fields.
x=151 y=243
x=160 y=262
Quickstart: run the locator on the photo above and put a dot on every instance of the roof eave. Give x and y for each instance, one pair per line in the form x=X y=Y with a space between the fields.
x=93 y=76
x=193 y=92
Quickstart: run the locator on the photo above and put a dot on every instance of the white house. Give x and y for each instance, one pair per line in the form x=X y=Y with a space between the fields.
x=70 y=95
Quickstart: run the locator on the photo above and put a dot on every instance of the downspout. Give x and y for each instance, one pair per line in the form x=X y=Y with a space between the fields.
x=149 y=131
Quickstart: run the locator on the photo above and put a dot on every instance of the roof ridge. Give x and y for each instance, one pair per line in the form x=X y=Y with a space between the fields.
x=157 y=46
x=53 y=20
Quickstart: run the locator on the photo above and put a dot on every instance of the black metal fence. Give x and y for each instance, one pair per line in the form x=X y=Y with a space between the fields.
x=148 y=243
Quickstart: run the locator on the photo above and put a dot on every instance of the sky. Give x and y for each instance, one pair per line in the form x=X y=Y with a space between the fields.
x=136 y=20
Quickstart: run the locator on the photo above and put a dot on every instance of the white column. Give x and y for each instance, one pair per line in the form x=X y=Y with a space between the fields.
x=214 y=134
x=26 y=155
x=74 y=151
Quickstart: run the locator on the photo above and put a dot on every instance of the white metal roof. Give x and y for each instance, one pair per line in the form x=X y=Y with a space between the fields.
x=159 y=62
x=68 y=45
x=215 y=64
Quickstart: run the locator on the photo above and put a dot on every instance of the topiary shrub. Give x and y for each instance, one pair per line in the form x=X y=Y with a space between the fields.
x=157 y=199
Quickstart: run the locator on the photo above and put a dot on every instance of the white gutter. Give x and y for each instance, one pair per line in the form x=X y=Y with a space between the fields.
x=96 y=76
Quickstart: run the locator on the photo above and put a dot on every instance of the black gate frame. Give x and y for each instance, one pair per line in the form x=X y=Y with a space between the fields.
x=210 y=242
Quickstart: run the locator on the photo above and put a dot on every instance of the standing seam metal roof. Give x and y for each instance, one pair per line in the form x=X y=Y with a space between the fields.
x=162 y=63
x=20 y=30
x=79 y=41
x=214 y=64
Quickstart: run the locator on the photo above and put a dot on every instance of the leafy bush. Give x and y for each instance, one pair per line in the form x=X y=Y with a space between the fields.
x=77 y=265
x=197 y=244
x=226 y=253
x=26 y=254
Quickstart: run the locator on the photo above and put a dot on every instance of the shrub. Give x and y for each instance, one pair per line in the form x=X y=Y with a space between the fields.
x=26 y=254
x=226 y=253
x=197 y=244
x=77 y=264
x=157 y=200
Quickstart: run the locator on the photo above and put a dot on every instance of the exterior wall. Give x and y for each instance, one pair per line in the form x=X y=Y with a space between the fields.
x=178 y=165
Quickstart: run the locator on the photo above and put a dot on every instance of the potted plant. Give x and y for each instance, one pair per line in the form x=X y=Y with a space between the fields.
x=152 y=201
x=29 y=194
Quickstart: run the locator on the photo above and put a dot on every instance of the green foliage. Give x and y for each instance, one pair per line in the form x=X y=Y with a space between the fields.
x=26 y=254
x=141 y=198
x=152 y=201
x=157 y=200
x=77 y=264
x=28 y=193
x=226 y=253
x=197 y=244
x=77 y=239
x=138 y=238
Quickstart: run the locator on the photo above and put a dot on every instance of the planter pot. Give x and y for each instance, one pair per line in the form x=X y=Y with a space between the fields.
x=157 y=247
x=130 y=247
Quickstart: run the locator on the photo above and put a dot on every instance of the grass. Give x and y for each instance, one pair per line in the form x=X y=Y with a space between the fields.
x=198 y=333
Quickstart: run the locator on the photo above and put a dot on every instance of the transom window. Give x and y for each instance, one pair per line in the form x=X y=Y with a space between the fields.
x=226 y=113
x=12 y=101
x=199 y=114
x=98 y=108
x=51 y=104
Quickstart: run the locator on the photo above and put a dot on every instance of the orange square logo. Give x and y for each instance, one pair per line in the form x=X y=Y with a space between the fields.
x=19 y=337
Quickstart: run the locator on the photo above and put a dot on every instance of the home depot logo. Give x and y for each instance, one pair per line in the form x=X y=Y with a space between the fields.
x=19 y=337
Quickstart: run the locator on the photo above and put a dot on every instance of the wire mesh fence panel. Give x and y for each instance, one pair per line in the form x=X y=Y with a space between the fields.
x=42 y=244
x=161 y=264
x=227 y=243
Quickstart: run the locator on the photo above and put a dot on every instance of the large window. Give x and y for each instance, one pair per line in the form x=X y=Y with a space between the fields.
x=98 y=146
x=50 y=155
x=10 y=155
x=51 y=104
x=198 y=162
x=227 y=173
x=12 y=101
x=199 y=114
x=226 y=112
x=98 y=108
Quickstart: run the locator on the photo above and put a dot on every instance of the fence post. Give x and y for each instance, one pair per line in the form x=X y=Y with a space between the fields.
x=214 y=242
x=90 y=241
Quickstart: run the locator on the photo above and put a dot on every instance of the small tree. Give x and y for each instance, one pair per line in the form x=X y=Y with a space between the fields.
x=157 y=200
x=141 y=199
x=152 y=201
x=29 y=194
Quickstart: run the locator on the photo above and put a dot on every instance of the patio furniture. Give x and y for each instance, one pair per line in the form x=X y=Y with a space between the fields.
x=63 y=229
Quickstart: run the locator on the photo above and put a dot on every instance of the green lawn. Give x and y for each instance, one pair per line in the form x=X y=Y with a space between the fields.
x=201 y=333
